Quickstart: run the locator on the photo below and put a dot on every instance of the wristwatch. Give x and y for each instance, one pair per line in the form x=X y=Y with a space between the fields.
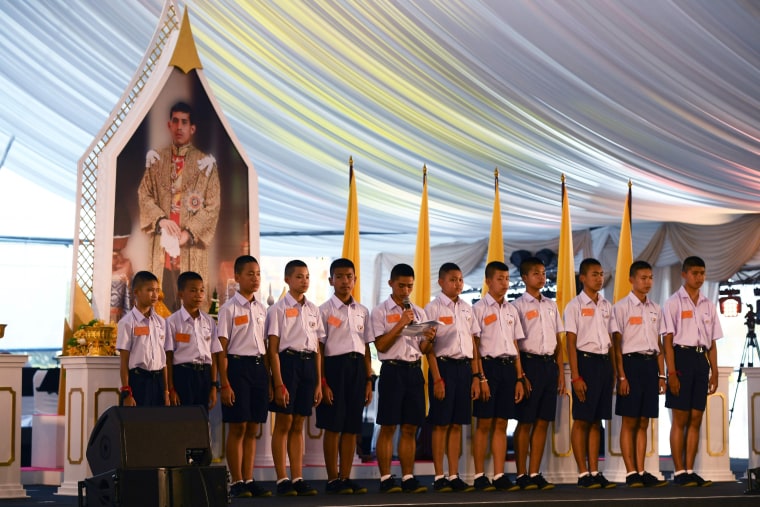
x=216 y=384
x=478 y=376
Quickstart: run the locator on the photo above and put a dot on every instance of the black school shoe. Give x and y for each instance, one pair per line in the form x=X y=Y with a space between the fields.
x=482 y=483
x=303 y=488
x=541 y=483
x=357 y=488
x=504 y=484
x=285 y=488
x=442 y=485
x=460 y=486
x=588 y=482
x=390 y=485
x=338 y=487
x=257 y=490
x=412 y=485
x=650 y=481
x=603 y=482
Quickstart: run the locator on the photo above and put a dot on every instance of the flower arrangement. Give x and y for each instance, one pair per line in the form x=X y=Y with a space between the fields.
x=93 y=339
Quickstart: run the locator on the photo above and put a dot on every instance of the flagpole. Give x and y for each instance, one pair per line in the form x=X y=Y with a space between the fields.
x=625 y=250
x=351 y=232
x=495 y=239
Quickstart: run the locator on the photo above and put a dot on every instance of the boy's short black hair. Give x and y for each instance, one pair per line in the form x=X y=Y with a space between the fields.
x=447 y=267
x=401 y=270
x=141 y=278
x=341 y=262
x=494 y=266
x=692 y=262
x=291 y=266
x=241 y=261
x=638 y=266
x=527 y=264
x=185 y=277
x=182 y=107
x=586 y=264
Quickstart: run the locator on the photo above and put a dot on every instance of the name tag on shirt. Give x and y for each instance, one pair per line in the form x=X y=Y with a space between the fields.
x=687 y=314
x=182 y=337
x=531 y=314
x=392 y=318
x=291 y=312
x=635 y=320
x=490 y=319
x=142 y=331
x=334 y=321
x=446 y=319
x=241 y=319
x=587 y=312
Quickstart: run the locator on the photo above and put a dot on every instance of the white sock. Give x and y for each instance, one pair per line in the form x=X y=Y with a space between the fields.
x=498 y=476
x=594 y=473
x=679 y=472
x=690 y=471
x=584 y=474
x=280 y=481
x=452 y=477
x=631 y=473
x=407 y=477
x=438 y=477
x=478 y=476
x=296 y=479
x=385 y=477
x=534 y=475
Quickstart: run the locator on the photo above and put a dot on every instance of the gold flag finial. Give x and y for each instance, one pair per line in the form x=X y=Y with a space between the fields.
x=351 y=161
x=630 y=183
x=563 y=177
x=496 y=177
x=185 y=56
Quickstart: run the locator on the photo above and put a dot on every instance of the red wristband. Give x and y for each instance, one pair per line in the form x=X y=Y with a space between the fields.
x=225 y=386
x=324 y=381
x=126 y=389
x=440 y=380
x=576 y=379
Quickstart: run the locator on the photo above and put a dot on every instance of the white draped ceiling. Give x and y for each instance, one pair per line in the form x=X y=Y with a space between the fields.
x=664 y=93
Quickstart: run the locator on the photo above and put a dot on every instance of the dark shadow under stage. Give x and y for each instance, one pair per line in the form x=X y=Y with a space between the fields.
x=719 y=494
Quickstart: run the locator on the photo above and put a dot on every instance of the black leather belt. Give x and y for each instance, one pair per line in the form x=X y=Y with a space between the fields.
x=455 y=360
x=698 y=349
x=253 y=359
x=605 y=357
x=640 y=355
x=142 y=371
x=302 y=354
x=501 y=359
x=399 y=362
x=350 y=355
x=194 y=366
x=544 y=357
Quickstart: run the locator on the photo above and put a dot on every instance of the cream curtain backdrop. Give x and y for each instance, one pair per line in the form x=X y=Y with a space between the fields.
x=660 y=92
x=725 y=248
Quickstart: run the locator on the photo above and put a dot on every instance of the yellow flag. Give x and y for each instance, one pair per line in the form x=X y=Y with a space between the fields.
x=625 y=252
x=421 y=291
x=351 y=233
x=495 y=240
x=565 y=260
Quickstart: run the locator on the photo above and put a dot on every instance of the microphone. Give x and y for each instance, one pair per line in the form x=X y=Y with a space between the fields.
x=406 y=303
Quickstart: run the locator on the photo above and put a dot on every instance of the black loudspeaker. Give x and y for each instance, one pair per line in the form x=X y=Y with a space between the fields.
x=188 y=486
x=149 y=437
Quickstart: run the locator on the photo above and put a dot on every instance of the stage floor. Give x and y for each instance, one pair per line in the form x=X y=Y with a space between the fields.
x=720 y=494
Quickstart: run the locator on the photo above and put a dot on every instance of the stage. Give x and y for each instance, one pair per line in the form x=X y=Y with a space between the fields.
x=721 y=493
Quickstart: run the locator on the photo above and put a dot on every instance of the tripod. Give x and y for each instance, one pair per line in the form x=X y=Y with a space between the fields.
x=750 y=346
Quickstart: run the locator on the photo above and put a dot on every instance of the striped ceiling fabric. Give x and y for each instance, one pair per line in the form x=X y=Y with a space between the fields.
x=664 y=93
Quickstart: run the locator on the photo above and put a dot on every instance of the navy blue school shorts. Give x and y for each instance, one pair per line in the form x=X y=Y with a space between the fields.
x=456 y=405
x=401 y=394
x=542 y=402
x=299 y=375
x=694 y=374
x=642 y=374
x=502 y=377
x=192 y=382
x=148 y=387
x=346 y=376
x=596 y=370
x=250 y=383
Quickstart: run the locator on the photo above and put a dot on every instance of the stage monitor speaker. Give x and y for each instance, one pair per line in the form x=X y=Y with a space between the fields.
x=188 y=486
x=149 y=437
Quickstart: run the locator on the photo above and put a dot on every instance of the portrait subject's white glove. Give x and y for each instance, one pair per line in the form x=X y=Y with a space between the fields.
x=151 y=157
x=206 y=164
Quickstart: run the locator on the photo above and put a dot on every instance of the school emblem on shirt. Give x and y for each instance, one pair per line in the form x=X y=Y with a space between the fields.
x=334 y=321
x=392 y=318
x=446 y=319
x=635 y=320
x=291 y=312
x=490 y=319
x=240 y=320
x=687 y=314
x=532 y=314
x=182 y=337
x=142 y=331
x=587 y=312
